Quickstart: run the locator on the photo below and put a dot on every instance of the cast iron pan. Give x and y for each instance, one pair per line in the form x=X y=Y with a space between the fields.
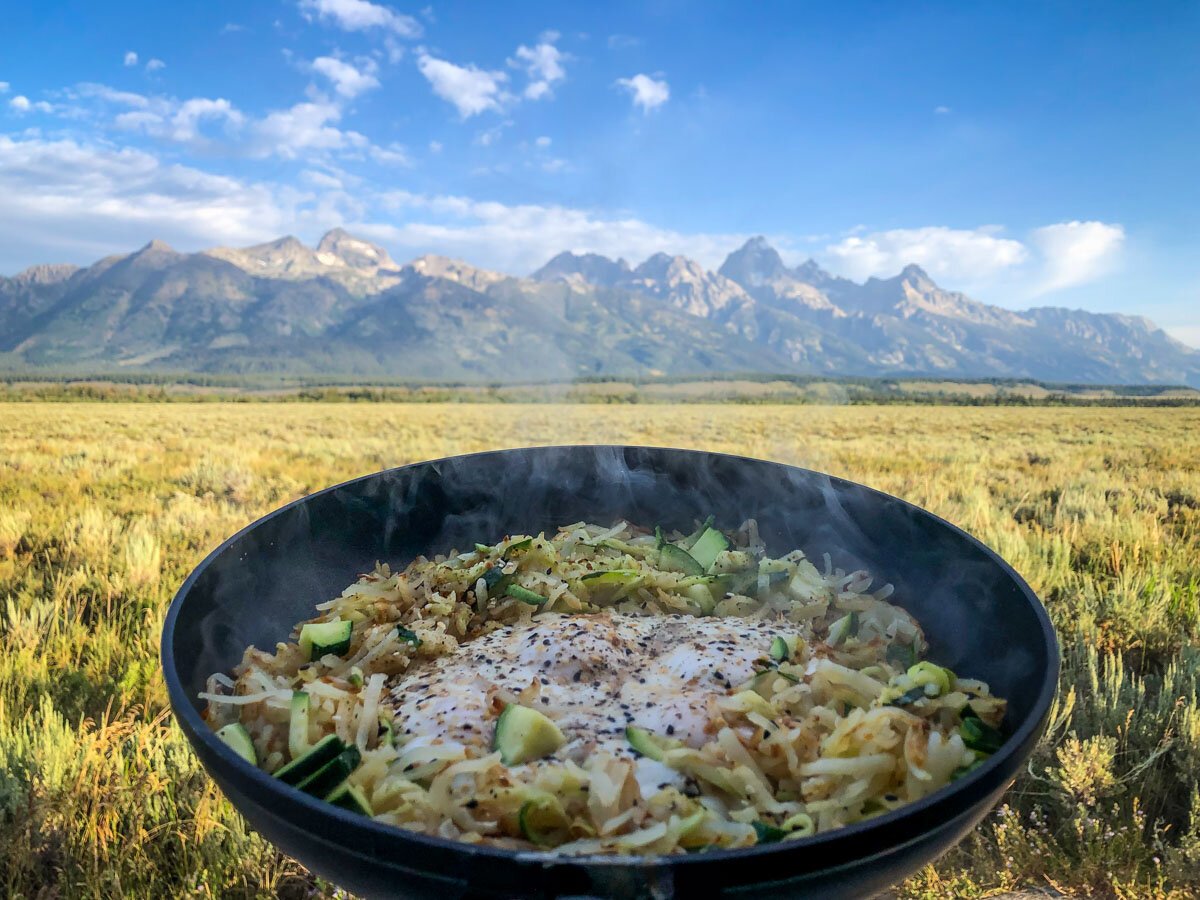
x=980 y=618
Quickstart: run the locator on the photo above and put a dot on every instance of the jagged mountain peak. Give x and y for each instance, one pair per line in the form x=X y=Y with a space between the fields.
x=582 y=269
x=340 y=246
x=45 y=273
x=331 y=309
x=755 y=263
x=433 y=266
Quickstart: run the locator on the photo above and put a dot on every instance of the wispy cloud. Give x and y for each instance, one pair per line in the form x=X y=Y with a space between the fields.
x=943 y=252
x=1052 y=258
x=360 y=15
x=470 y=89
x=20 y=104
x=155 y=65
x=941 y=110
x=648 y=93
x=131 y=58
x=347 y=80
x=1076 y=253
x=543 y=64
x=4 y=87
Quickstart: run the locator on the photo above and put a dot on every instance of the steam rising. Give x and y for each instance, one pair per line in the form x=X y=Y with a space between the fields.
x=270 y=577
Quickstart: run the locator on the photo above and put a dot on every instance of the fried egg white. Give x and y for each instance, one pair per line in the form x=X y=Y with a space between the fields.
x=593 y=675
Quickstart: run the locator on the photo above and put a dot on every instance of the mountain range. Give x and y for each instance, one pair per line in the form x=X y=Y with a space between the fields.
x=346 y=307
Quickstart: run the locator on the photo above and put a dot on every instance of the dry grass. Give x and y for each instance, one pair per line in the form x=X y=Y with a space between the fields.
x=104 y=508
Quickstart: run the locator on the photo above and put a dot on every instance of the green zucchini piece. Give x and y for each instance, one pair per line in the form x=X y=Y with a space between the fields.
x=533 y=598
x=298 y=725
x=980 y=736
x=318 y=755
x=659 y=537
x=237 y=738
x=320 y=638
x=518 y=545
x=780 y=649
x=347 y=796
x=494 y=576
x=707 y=546
x=524 y=734
x=744 y=583
x=909 y=697
x=612 y=576
x=768 y=834
x=843 y=629
x=543 y=821
x=690 y=541
x=408 y=636
x=643 y=743
x=322 y=782
x=676 y=559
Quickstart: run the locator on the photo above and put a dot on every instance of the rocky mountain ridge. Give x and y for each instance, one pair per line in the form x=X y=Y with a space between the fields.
x=346 y=307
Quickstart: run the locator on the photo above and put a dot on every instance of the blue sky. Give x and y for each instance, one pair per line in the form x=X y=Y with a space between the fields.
x=1029 y=154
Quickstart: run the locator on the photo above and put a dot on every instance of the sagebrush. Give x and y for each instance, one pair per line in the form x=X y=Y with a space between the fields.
x=105 y=508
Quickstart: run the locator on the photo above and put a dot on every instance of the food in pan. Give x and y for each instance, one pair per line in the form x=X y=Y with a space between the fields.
x=609 y=690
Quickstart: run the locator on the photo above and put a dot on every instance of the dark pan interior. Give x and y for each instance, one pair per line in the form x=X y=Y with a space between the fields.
x=979 y=617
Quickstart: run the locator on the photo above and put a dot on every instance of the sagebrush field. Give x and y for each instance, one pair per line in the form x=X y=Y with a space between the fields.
x=105 y=508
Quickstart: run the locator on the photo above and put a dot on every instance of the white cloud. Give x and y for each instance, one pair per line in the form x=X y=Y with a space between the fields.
x=232 y=28
x=435 y=146
x=942 y=110
x=543 y=141
x=346 y=79
x=112 y=95
x=359 y=15
x=155 y=64
x=186 y=121
x=4 y=87
x=322 y=179
x=76 y=201
x=520 y=238
x=21 y=104
x=1076 y=252
x=131 y=58
x=470 y=89
x=1051 y=258
x=305 y=126
x=647 y=92
x=955 y=254
x=391 y=155
x=543 y=63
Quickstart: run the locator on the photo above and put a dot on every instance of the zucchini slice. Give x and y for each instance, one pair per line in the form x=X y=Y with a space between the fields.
x=612 y=576
x=649 y=745
x=238 y=739
x=322 y=782
x=707 y=546
x=524 y=734
x=318 y=755
x=643 y=743
x=780 y=650
x=543 y=821
x=690 y=541
x=319 y=638
x=768 y=834
x=842 y=630
x=979 y=736
x=298 y=725
x=347 y=796
x=533 y=598
x=676 y=559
